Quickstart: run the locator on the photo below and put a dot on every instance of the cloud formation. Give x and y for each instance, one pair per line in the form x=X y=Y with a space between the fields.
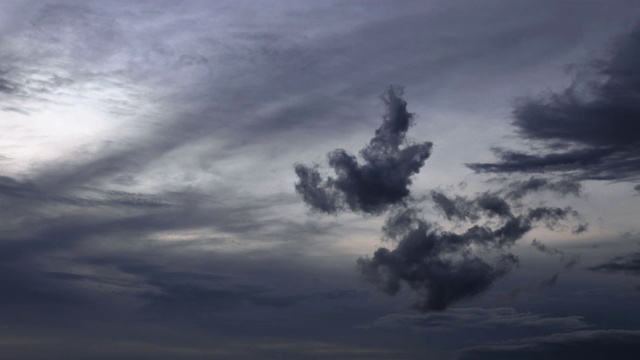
x=495 y=318
x=520 y=189
x=591 y=127
x=384 y=177
x=586 y=345
x=568 y=261
x=620 y=264
x=444 y=267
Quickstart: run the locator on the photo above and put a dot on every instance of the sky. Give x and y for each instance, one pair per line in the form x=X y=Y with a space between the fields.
x=455 y=180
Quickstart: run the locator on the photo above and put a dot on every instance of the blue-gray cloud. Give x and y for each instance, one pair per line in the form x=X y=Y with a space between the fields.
x=587 y=345
x=591 y=127
x=629 y=263
x=383 y=179
x=520 y=189
x=441 y=266
x=568 y=261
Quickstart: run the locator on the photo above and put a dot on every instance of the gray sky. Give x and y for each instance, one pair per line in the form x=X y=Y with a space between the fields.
x=319 y=179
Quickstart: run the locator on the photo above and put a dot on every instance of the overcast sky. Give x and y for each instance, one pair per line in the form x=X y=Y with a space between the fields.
x=320 y=179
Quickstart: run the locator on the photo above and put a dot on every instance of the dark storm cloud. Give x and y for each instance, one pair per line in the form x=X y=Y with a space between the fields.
x=383 y=179
x=424 y=257
x=586 y=345
x=440 y=266
x=594 y=122
x=492 y=204
x=620 y=264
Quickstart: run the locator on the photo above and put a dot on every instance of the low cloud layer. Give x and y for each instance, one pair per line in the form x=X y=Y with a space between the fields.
x=384 y=177
x=586 y=345
x=591 y=128
x=629 y=264
x=495 y=318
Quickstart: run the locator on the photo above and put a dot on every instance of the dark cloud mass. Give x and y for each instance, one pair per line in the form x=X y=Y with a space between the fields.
x=594 y=122
x=442 y=267
x=382 y=180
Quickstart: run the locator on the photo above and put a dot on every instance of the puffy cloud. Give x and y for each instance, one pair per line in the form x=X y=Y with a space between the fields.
x=384 y=177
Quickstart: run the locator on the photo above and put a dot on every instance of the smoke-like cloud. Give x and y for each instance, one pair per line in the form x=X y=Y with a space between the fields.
x=464 y=209
x=520 y=189
x=592 y=126
x=384 y=177
x=444 y=267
